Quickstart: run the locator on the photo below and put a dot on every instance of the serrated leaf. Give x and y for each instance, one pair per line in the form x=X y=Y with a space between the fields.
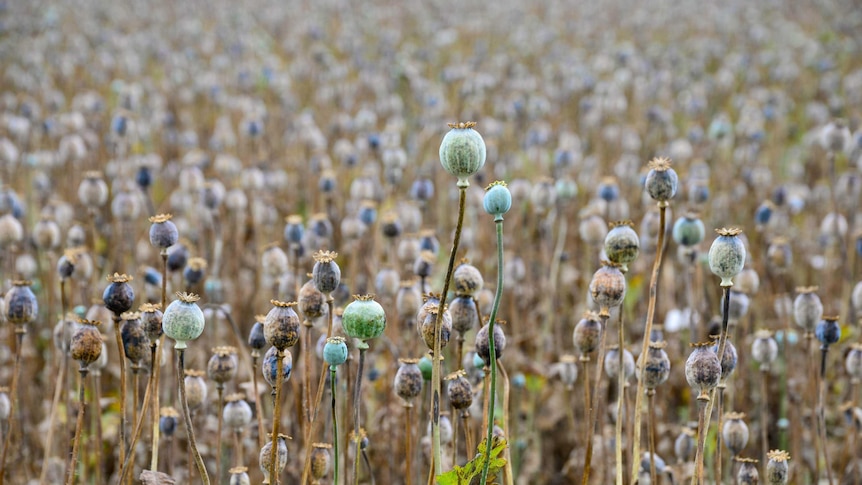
x=472 y=470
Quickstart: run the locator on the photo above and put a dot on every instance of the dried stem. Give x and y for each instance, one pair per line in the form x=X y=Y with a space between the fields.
x=79 y=426
x=139 y=426
x=821 y=411
x=13 y=397
x=55 y=404
x=651 y=426
x=220 y=392
x=276 y=417
x=703 y=402
x=187 y=418
x=621 y=392
x=121 y=351
x=408 y=444
x=591 y=424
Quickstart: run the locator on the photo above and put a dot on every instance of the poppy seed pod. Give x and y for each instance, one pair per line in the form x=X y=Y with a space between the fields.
x=728 y=360
x=702 y=369
x=747 y=474
x=222 y=366
x=828 y=331
x=467 y=280
x=612 y=363
x=168 y=418
x=657 y=365
x=567 y=369
x=387 y=282
x=408 y=380
x=426 y=327
x=321 y=459
x=688 y=230
x=747 y=281
x=119 y=295
x=390 y=226
x=11 y=230
x=270 y=361
x=779 y=255
x=853 y=362
x=807 y=308
x=195 y=271
x=462 y=151
x=497 y=200
x=592 y=229
x=136 y=345
x=46 y=234
x=183 y=320
x=483 y=348
x=20 y=303
x=256 y=338
x=459 y=390
x=312 y=303
x=293 y=229
x=764 y=348
x=239 y=476
x=734 y=433
x=684 y=445
x=364 y=319
x=425 y=365
x=163 y=232
x=326 y=273
x=777 y=469
x=265 y=458
x=66 y=263
x=622 y=244
x=727 y=255
x=86 y=343
x=335 y=351
x=587 y=334
x=662 y=181
x=464 y=313
x=178 y=256
x=151 y=319
x=93 y=191
x=237 y=413
x=408 y=299
x=281 y=327
x=608 y=287
x=196 y=388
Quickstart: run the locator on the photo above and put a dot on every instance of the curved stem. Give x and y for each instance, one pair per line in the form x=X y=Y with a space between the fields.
x=13 y=397
x=437 y=354
x=651 y=426
x=356 y=393
x=335 y=439
x=653 y=292
x=187 y=418
x=121 y=351
x=79 y=427
x=591 y=425
x=276 y=417
x=492 y=352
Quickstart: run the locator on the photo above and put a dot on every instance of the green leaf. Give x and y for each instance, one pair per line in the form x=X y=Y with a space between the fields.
x=471 y=472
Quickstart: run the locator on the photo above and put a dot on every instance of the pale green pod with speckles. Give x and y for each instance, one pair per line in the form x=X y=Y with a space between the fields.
x=727 y=255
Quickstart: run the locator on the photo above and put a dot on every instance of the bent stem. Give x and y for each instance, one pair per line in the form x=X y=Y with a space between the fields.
x=13 y=397
x=356 y=393
x=436 y=372
x=594 y=416
x=187 y=418
x=79 y=426
x=276 y=416
x=492 y=351
x=653 y=291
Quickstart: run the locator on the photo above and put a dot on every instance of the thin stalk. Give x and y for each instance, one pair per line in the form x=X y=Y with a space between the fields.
x=79 y=426
x=276 y=417
x=812 y=378
x=356 y=393
x=764 y=414
x=591 y=425
x=454 y=435
x=187 y=418
x=588 y=410
x=507 y=467
x=437 y=354
x=653 y=292
x=139 y=426
x=718 y=475
x=621 y=392
x=651 y=426
x=156 y=367
x=121 y=351
x=703 y=402
x=468 y=434
x=220 y=392
x=13 y=397
x=97 y=398
x=335 y=439
x=408 y=444
x=257 y=404
x=492 y=352
x=130 y=459
x=318 y=398
x=55 y=404
x=821 y=411
x=237 y=447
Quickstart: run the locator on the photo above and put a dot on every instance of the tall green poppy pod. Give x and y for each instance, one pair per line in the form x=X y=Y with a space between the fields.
x=727 y=255
x=364 y=319
x=183 y=320
x=497 y=200
x=462 y=151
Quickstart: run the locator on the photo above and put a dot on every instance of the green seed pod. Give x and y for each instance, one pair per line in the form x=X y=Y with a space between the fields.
x=281 y=327
x=86 y=344
x=364 y=319
x=734 y=433
x=688 y=230
x=497 y=200
x=622 y=244
x=727 y=255
x=335 y=351
x=183 y=320
x=425 y=366
x=777 y=470
x=462 y=151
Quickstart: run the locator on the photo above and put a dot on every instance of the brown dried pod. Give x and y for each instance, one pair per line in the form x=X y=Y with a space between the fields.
x=222 y=366
x=86 y=344
x=312 y=302
x=459 y=390
x=408 y=380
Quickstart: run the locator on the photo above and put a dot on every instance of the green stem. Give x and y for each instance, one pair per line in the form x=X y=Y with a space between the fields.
x=334 y=427
x=202 y=470
x=356 y=393
x=437 y=353
x=492 y=353
x=653 y=291
x=621 y=393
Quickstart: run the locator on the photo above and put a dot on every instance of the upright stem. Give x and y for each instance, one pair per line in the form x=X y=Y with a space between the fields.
x=220 y=425
x=187 y=418
x=436 y=372
x=318 y=398
x=13 y=397
x=121 y=351
x=492 y=352
x=356 y=393
x=591 y=425
x=276 y=417
x=156 y=368
x=55 y=404
x=718 y=477
x=651 y=426
x=468 y=434
x=821 y=412
x=764 y=414
x=257 y=403
x=588 y=410
x=812 y=379
x=408 y=444
x=79 y=426
x=136 y=434
x=335 y=439
x=653 y=291
x=621 y=380
x=97 y=398
x=702 y=423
